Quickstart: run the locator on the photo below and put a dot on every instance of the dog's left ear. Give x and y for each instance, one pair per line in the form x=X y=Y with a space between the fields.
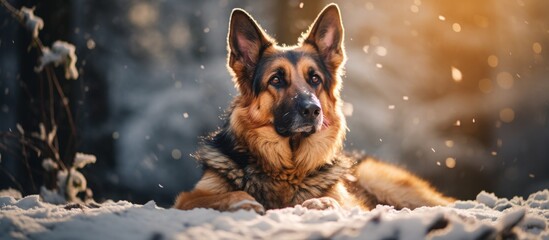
x=326 y=35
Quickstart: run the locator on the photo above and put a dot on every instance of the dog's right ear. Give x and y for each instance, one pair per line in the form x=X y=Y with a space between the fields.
x=246 y=42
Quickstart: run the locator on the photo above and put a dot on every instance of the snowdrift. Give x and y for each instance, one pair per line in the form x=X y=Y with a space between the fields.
x=484 y=218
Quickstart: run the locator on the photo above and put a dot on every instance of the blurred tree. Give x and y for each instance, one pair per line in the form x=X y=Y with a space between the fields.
x=294 y=17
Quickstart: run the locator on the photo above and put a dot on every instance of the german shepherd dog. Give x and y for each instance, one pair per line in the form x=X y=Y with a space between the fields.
x=282 y=141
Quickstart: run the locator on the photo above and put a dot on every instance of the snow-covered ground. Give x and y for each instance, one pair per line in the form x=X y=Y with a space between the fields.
x=487 y=217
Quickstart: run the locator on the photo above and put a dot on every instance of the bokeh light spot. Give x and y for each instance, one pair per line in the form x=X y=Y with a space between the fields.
x=90 y=44
x=381 y=51
x=414 y=8
x=507 y=115
x=536 y=47
x=505 y=80
x=365 y=48
x=485 y=85
x=179 y=35
x=493 y=61
x=456 y=27
x=142 y=14
x=450 y=162
x=176 y=154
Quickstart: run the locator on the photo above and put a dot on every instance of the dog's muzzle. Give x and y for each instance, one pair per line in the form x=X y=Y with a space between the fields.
x=302 y=116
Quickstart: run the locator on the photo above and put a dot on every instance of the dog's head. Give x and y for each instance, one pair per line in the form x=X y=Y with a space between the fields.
x=293 y=89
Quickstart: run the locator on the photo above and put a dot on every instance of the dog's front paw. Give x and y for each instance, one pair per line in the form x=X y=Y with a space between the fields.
x=247 y=205
x=321 y=203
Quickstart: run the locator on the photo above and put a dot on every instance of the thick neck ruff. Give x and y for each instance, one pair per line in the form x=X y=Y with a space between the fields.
x=242 y=173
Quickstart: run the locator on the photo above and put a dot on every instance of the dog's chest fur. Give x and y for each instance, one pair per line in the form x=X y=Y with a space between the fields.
x=243 y=173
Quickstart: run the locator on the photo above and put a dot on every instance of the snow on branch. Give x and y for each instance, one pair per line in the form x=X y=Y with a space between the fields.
x=33 y=23
x=82 y=159
x=69 y=182
x=60 y=53
x=49 y=165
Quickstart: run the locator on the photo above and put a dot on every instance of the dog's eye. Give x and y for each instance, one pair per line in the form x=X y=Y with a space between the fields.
x=315 y=80
x=275 y=81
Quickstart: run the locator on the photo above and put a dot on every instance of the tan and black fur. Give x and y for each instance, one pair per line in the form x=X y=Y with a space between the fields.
x=283 y=139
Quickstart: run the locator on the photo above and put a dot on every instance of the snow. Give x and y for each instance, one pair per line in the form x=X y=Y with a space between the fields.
x=33 y=23
x=29 y=217
x=60 y=53
x=82 y=159
x=49 y=165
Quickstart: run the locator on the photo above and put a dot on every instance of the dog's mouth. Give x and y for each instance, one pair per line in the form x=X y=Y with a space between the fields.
x=305 y=129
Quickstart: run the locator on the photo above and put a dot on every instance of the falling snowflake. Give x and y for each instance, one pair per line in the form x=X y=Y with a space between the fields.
x=456 y=74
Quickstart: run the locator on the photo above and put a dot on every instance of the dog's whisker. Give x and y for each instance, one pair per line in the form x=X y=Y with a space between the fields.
x=325 y=121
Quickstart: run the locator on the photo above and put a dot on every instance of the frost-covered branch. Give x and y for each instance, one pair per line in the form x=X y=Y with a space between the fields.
x=82 y=159
x=69 y=182
x=20 y=17
x=60 y=53
x=66 y=181
x=33 y=23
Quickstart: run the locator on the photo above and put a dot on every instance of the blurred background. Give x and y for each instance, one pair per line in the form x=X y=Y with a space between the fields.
x=455 y=91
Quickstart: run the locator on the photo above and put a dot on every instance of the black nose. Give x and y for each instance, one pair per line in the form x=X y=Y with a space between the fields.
x=309 y=110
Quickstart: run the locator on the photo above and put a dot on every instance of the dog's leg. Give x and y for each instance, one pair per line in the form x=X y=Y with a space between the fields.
x=213 y=192
x=394 y=186
x=229 y=201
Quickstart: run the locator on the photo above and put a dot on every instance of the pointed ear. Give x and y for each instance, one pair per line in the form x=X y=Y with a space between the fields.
x=246 y=42
x=326 y=35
